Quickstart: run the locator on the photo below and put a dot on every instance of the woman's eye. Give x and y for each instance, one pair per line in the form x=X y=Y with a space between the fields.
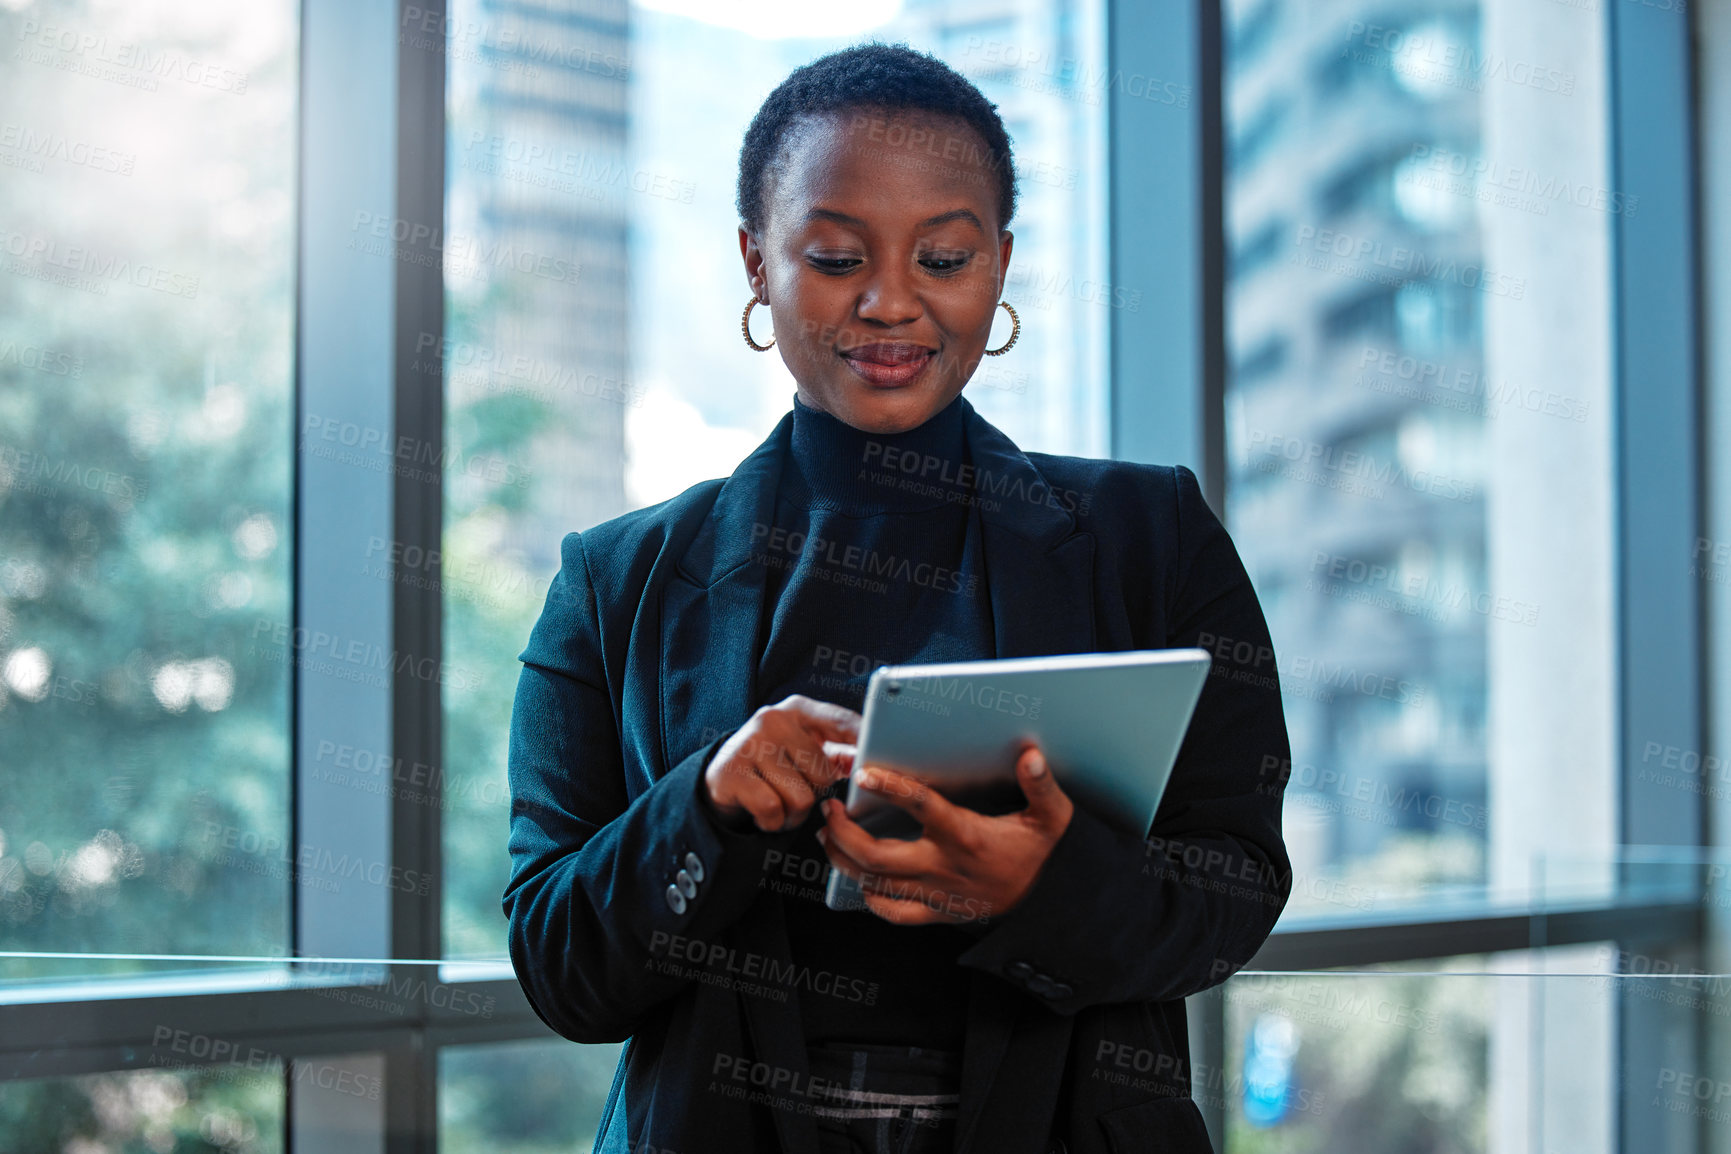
x=944 y=264
x=833 y=264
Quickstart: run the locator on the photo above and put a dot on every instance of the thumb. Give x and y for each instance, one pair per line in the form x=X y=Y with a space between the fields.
x=1046 y=798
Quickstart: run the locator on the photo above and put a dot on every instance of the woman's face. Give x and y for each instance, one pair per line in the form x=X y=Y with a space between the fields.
x=882 y=262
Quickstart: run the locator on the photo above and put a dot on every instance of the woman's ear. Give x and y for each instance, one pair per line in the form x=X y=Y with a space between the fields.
x=753 y=256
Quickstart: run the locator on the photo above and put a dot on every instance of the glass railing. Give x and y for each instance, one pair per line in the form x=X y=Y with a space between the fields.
x=1595 y=1015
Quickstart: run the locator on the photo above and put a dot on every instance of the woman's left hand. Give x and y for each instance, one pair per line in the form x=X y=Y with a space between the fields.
x=965 y=866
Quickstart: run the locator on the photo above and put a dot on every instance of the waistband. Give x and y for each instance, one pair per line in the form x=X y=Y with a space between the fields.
x=874 y=1081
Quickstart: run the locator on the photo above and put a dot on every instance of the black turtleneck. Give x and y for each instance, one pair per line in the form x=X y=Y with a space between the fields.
x=871 y=561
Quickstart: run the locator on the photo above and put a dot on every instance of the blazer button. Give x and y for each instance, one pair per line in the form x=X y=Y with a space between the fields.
x=675 y=900
x=1021 y=971
x=1040 y=984
x=686 y=883
x=694 y=866
x=1061 y=990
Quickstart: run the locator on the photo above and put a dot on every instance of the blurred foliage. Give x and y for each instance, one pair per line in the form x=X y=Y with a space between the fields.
x=145 y=465
x=491 y=600
x=523 y=1097
x=216 y=1110
x=146 y=429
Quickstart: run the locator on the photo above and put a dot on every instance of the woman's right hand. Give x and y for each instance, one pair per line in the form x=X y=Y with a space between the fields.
x=777 y=763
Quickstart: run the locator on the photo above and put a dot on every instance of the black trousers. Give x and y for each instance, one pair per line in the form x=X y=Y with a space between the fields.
x=889 y=1100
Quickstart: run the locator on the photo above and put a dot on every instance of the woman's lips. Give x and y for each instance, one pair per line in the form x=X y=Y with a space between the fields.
x=889 y=363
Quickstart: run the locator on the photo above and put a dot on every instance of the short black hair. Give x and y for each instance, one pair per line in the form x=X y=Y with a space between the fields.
x=873 y=75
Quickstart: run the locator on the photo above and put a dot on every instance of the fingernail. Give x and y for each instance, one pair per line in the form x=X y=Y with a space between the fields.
x=1037 y=766
x=869 y=779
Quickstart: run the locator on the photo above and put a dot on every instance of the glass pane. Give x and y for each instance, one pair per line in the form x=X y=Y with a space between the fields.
x=522 y=1097
x=184 y=1110
x=1513 y=1052
x=1418 y=431
x=1336 y=1063
x=146 y=322
x=592 y=306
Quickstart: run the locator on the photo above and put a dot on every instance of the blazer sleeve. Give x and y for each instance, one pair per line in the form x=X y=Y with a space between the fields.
x=1117 y=918
x=597 y=935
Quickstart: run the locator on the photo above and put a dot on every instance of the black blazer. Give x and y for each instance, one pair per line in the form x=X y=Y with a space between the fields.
x=643 y=662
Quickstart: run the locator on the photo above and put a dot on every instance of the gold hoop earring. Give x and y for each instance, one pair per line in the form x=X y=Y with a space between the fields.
x=1015 y=331
x=745 y=328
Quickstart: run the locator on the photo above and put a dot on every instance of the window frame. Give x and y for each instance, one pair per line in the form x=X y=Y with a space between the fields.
x=373 y=134
x=1167 y=395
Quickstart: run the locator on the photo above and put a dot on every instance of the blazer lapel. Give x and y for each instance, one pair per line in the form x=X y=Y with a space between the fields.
x=1040 y=574
x=711 y=611
x=712 y=606
x=1039 y=569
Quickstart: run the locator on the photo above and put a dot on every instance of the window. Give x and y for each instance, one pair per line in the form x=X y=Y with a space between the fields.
x=602 y=153
x=246 y=332
x=146 y=411
x=1397 y=471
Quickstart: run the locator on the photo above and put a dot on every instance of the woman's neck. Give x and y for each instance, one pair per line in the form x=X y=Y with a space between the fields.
x=837 y=466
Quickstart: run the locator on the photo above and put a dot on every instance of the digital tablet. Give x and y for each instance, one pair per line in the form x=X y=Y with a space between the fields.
x=1110 y=725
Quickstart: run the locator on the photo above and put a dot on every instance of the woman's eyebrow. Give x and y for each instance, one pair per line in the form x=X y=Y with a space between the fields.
x=966 y=214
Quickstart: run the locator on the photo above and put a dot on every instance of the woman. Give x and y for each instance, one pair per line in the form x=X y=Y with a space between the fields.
x=1016 y=983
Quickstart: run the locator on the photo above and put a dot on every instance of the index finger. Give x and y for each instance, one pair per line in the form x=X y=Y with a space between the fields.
x=828 y=720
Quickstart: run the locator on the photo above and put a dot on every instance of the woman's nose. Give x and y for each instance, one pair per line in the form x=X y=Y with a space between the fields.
x=889 y=299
